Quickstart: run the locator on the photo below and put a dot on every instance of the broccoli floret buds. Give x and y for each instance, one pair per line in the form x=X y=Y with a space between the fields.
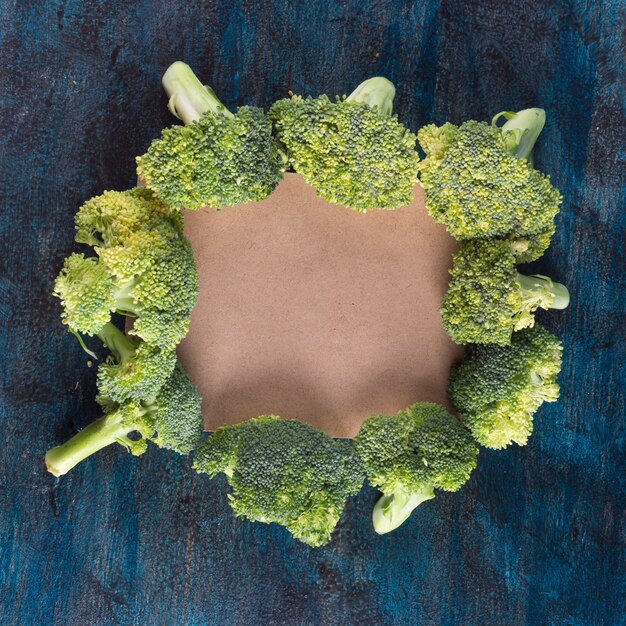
x=284 y=471
x=217 y=159
x=145 y=269
x=135 y=370
x=488 y=300
x=172 y=419
x=498 y=389
x=352 y=150
x=479 y=183
x=410 y=454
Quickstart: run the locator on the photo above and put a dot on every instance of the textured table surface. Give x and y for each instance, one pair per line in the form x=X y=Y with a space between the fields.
x=536 y=537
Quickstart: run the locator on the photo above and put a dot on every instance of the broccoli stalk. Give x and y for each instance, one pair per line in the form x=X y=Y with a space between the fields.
x=112 y=428
x=521 y=130
x=542 y=291
x=377 y=92
x=189 y=99
x=172 y=419
x=392 y=511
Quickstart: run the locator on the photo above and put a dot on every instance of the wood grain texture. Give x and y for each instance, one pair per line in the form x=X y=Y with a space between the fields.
x=536 y=537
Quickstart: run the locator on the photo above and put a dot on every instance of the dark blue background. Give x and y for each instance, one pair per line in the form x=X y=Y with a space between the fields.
x=536 y=537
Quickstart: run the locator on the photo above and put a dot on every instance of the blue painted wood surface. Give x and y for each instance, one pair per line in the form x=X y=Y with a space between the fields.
x=536 y=537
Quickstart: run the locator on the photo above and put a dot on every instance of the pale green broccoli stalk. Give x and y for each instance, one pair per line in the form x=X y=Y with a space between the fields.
x=146 y=269
x=217 y=159
x=498 y=389
x=135 y=370
x=487 y=299
x=172 y=419
x=410 y=454
x=479 y=183
x=352 y=150
x=286 y=472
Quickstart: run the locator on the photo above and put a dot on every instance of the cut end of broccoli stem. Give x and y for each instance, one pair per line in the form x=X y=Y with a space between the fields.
x=521 y=130
x=377 y=92
x=99 y=434
x=556 y=295
x=390 y=512
x=189 y=99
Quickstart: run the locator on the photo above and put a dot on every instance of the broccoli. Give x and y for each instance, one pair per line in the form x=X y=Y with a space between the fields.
x=145 y=269
x=135 y=370
x=488 y=300
x=352 y=150
x=498 y=389
x=479 y=182
x=217 y=159
x=410 y=454
x=284 y=471
x=172 y=419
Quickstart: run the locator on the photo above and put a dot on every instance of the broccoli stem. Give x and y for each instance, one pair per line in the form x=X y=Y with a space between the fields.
x=521 y=131
x=189 y=99
x=99 y=434
x=543 y=289
x=392 y=511
x=117 y=342
x=376 y=92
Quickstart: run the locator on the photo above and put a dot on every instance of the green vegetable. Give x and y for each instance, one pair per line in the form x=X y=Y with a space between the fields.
x=479 y=182
x=410 y=454
x=172 y=419
x=352 y=150
x=217 y=159
x=286 y=472
x=145 y=269
x=498 y=389
x=135 y=370
x=488 y=300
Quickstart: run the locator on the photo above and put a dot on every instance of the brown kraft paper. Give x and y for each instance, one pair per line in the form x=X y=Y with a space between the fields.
x=312 y=311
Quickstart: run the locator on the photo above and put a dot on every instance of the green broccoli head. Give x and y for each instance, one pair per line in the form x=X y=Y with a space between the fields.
x=498 y=389
x=135 y=370
x=284 y=471
x=217 y=159
x=87 y=293
x=352 y=150
x=146 y=269
x=172 y=419
x=410 y=454
x=487 y=299
x=112 y=218
x=177 y=413
x=477 y=184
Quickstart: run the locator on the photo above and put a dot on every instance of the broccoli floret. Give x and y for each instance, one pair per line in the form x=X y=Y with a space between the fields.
x=135 y=370
x=217 y=159
x=410 y=454
x=284 y=471
x=352 y=150
x=488 y=300
x=145 y=269
x=172 y=419
x=111 y=218
x=479 y=183
x=498 y=389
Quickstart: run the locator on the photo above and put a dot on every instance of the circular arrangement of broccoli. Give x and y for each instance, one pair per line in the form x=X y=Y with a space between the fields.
x=408 y=455
x=352 y=150
x=479 y=181
x=218 y=158
x=284 y=471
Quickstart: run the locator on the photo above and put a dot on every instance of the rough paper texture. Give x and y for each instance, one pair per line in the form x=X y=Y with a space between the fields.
x=312 y=311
